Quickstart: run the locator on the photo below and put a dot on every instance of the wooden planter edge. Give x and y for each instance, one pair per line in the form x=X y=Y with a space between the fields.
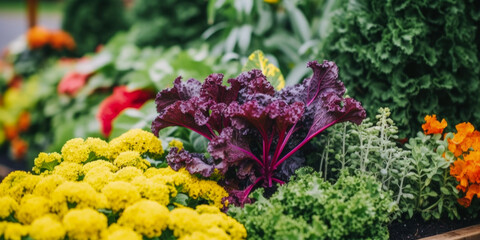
x=468 y=233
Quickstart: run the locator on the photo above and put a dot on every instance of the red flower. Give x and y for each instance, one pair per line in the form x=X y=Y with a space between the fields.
x=72 y=82
x=120 y=100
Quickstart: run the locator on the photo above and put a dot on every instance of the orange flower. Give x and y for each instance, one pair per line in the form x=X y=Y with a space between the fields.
x=23 y=121
x=463 y=131
x=464 y=202
x=432 y=125
x=475 y=140
x=37 y=37
x=61 y=40
x=473 y=190
x=19 y=148
x=465 y=139
x=452 y=147
x=11 y=132
x=465 y=144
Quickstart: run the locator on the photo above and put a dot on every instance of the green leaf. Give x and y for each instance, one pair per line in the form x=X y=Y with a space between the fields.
x=440 y=205
x=95 y=63
x=445 y=190
x=299 y=21
x=231 y=40
x=137 y=80
x=432 y=194
x=244 y=37
x=211 y=11
x=199 y=143
x=257 y=60
x=408 y=195
x=134 y=118
x=181 y=198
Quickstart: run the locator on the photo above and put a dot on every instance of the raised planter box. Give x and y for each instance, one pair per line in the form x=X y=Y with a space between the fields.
x=468 y=233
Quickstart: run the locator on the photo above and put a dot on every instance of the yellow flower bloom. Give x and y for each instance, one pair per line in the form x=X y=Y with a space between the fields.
x=184 y=221
x=76 y=194
x=100 y=148
x=208 y=190
x=271 y=1
x=47 y=228
x=18 y=183
x=47 y=185
x=120 y=195
x=46 y=161
x=175 y=143
x=14 y=231
x=118 y=232
x=197 y=236
x=226 y=223
x=136 y=140
x=31 y=208
x=146 y=217
x=131 y=158
x=84 y=224
x=99 y=163
x=207 y=209
x=151 y=190
x=98 y=177
x=205 y=221
x=8 y=206
x=69 y=170
x=75 y=150
x=193 y=186
x=150 y=172
x=127 y=174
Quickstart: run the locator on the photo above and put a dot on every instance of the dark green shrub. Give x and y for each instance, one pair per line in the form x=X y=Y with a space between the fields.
x=416 y=57
x=93 y=22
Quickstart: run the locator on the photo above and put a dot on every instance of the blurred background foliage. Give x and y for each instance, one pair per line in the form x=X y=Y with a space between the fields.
x=93 y=22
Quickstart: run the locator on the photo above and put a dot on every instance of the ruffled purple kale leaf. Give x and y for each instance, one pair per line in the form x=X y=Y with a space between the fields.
x=254 y=132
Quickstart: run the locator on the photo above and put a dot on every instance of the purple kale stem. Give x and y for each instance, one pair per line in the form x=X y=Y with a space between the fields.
x=264 y=152
x=203 y=134
x=266 y=149
x=278 y=181
x=210 y=129
x=284 y=143
x=303 y=143
x=249 y=189
x=281 y=138
x=249 y=154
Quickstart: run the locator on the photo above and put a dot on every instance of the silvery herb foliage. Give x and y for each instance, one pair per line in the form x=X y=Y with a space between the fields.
x=416 y=173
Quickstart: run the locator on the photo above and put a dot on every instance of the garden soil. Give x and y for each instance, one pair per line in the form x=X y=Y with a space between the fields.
x=416 y=228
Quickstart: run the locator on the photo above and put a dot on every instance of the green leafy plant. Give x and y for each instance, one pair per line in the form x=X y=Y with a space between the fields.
x=168 y=23
x=415 y=57
x=308 y=207
x=288 y=31
x=93 y=22
x=433 y=189
x=416 y=173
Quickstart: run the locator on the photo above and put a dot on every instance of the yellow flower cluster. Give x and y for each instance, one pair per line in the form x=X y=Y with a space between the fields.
x=99 y=190
x=205 y=222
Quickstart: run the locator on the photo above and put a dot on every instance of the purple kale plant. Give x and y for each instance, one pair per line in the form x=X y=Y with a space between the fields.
x=254 y=132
